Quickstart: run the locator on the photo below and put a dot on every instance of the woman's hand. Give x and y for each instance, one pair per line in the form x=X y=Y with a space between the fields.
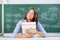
x=26 y=35
x=31 y=31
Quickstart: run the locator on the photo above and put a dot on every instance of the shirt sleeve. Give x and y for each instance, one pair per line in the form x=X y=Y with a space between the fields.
x=17 y=29
x=41 y=29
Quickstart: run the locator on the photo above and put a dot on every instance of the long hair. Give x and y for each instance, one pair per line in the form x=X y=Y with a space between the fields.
x=35 y=17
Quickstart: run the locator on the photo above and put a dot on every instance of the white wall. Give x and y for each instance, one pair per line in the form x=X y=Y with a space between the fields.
x=0 y=1
x=30 y=1
x=59 y=1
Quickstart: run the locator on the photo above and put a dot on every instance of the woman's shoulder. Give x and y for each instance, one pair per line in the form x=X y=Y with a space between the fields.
x=38 y=23
x=23 y=20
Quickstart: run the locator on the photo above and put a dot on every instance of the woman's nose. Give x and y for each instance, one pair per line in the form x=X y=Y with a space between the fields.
x=29 y=15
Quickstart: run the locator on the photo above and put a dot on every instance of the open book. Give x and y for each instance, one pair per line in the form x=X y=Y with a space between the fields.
x=28 y=25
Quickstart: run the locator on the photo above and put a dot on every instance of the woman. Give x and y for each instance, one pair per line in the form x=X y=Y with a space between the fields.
x=31 y=16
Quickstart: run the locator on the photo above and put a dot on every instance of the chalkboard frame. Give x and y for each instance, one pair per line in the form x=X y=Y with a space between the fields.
x=1 y=33
x=12 y=4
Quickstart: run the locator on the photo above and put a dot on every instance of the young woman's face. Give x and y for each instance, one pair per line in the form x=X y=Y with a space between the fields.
x=30 y=14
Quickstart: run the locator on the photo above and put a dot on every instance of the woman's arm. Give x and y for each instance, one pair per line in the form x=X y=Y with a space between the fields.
x=17 y=29
x=18 y=36
x=34 y=31
x=41 y=31
x=23 y=36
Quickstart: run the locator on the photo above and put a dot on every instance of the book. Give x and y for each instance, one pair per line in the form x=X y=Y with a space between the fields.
x=27 y=25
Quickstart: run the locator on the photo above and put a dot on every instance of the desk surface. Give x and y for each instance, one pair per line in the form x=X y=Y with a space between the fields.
x=48 y=38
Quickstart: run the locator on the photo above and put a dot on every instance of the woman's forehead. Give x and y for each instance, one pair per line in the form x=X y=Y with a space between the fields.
x=31 y=11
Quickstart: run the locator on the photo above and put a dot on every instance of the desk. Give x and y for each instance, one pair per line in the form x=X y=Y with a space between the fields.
x=48 y=38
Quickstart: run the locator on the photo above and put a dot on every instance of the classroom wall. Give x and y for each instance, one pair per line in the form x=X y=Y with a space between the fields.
x=0 y=1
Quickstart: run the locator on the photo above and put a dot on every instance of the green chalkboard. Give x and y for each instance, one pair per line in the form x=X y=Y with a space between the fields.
x=48 y=14
x=0 y=18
